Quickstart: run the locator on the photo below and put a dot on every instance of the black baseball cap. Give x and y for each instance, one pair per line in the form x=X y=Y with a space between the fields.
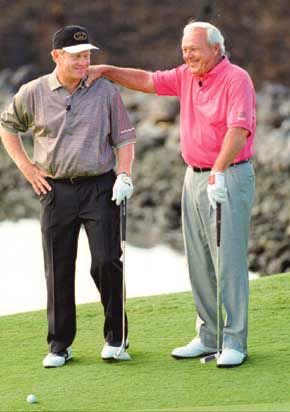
x=72 y=39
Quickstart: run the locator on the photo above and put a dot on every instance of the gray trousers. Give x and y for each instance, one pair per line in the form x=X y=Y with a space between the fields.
x=199 y=230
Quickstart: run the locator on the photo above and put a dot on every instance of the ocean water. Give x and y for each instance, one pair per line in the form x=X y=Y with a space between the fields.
x=22 y=283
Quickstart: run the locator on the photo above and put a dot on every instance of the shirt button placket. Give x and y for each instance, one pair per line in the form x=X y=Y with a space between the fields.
x=199 y=96
x=68 y=108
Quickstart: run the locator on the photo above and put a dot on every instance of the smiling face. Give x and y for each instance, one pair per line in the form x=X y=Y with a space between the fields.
x=198 y=54
x=71 y=67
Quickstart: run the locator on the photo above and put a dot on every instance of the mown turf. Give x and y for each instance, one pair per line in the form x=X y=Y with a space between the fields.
x=153 y=381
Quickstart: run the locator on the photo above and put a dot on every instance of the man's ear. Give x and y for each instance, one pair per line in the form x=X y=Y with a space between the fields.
x=217 y=50
x=55 y=55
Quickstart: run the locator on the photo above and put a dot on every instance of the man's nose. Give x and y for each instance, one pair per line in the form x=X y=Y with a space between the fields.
x=85 y=61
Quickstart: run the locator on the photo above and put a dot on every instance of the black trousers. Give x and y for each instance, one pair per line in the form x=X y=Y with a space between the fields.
x=86 y=201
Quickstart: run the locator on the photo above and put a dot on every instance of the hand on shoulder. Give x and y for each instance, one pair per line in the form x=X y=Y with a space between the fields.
x=95 y=72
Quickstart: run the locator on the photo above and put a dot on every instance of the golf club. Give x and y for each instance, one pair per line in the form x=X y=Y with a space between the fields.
x=218 y=287
x=121 y=354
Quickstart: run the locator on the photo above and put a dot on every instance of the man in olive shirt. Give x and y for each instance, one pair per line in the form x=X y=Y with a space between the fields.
x=79 y=132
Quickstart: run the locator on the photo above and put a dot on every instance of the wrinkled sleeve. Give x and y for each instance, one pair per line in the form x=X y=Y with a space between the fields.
x=17 y=117
x=122 y=131
x=167 y=82
x=242 y=103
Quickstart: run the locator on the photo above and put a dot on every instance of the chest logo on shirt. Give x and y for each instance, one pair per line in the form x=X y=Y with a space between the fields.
x=80 y=35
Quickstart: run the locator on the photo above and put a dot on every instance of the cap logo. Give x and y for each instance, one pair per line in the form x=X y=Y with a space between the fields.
x=80 y=36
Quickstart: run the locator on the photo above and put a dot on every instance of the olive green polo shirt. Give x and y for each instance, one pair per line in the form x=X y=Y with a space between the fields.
x=74 y=134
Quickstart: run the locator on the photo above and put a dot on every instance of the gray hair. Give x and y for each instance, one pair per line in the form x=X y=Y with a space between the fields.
x=214 y=36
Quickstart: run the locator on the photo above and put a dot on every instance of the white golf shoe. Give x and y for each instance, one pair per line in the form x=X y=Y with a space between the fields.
x=54 y=360
x=230 y=358
x=113 y=352
x=193 y=350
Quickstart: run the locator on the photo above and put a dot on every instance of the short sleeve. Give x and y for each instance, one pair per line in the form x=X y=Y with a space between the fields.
x=17 y=117
x=242 y=103
x=122 y=131
x=167 y=82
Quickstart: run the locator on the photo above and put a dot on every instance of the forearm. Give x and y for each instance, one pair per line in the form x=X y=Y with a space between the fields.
x=125 y=157
x=131 y=78
x=30 y=171
x=234 y=141
x=15 y=149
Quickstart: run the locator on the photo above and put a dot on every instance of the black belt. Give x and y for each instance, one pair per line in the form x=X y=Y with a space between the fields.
x=77 y=179
x=208 y=169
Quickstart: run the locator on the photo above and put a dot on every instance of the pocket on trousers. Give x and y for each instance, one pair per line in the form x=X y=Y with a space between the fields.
x=47 y=210
x=47 y=198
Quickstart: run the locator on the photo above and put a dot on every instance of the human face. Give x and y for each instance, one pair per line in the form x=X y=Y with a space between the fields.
x=72 y=66
x=197 y=53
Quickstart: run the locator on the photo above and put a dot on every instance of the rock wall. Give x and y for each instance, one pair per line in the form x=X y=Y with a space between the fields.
x=270 y=237
x=154 y=210
x=147 y=33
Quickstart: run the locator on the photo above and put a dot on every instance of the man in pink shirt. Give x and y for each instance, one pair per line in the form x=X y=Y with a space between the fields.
x=217 y=103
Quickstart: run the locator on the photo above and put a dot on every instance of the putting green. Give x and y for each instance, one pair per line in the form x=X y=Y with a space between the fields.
x=152 y=381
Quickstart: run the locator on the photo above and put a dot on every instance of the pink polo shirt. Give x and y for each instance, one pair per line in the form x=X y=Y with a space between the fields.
x=225 y=99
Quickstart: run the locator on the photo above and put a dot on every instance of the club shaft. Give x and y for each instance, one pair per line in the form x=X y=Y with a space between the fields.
x=123 y=219
x=218 y=224
x=123 y=295
x=123 y=224
x=218 y=275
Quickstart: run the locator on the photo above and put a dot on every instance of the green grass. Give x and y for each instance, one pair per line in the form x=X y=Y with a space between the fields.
x=153 y=381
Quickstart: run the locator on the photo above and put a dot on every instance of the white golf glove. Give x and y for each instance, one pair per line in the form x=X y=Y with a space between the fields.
x=216 y=188
x=123 y=188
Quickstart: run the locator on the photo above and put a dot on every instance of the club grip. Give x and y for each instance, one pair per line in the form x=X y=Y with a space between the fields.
x=123 y=219
x=218 y=224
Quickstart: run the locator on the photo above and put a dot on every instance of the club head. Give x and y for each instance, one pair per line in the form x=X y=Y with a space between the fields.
x=122 y=356
x=209 y=358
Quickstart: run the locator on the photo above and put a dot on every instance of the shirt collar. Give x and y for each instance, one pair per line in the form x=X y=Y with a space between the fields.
x=53 y=81
x=216 y=69
x=55 y=84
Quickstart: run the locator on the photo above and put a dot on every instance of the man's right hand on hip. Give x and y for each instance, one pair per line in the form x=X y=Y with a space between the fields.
x=36 y=178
